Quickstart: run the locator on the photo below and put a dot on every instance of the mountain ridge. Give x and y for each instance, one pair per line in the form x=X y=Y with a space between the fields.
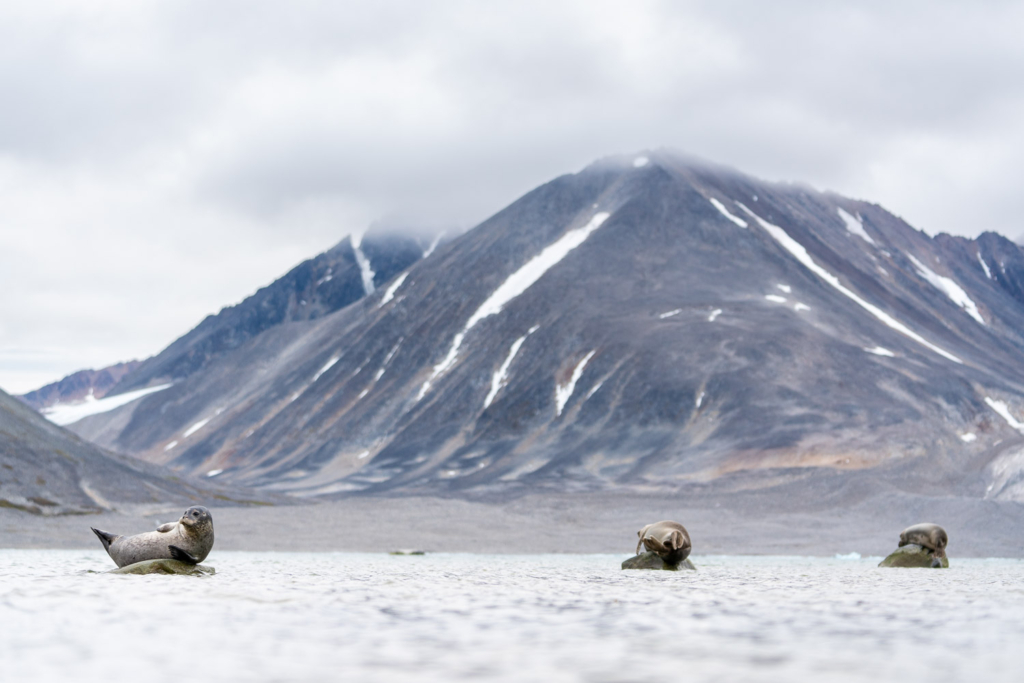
x=712 y=324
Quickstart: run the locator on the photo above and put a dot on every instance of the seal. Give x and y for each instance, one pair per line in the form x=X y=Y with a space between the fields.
x=188 y=540
x=931 y=536
x=668 y=539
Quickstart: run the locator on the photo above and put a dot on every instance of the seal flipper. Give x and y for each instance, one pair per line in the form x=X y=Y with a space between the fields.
x=105 y=538
x=181 y=556
x=164 y=528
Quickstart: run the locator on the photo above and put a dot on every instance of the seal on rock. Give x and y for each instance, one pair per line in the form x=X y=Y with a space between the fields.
x=188 y=540
x=668 y=539
x=931 y=536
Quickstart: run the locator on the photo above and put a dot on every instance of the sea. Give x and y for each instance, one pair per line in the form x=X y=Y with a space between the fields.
x=467 y=617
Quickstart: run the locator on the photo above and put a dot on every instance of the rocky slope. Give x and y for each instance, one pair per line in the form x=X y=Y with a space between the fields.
x=46 y=470
x=79 y=385
x=651 y=322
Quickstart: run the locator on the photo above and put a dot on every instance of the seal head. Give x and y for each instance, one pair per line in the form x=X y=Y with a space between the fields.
x=669 y=540
x=931 y=536
x=190 y=540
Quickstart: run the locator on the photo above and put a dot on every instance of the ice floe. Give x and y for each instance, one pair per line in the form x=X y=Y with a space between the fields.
x=517 y=283
x=500 y=377
x=68 y=413
x=1004 y=412
x=196 y=427
x=714 y=314
x=855 y=226
x=984 y=266
x=881 y=351
x=948 y=287
x=725 y=212
x=389 y=293
x=669 y=314
x=801 y=255
x=564 y=392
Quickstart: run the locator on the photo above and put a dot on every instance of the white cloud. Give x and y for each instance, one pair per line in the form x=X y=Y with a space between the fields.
x=159 y=160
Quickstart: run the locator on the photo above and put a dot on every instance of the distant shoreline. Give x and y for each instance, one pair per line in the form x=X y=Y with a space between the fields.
x=551 y=523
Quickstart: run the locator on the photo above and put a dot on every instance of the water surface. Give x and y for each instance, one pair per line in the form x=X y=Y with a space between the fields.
x=445 y=617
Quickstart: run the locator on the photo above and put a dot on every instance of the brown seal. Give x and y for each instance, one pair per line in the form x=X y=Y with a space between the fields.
x=669 y=539
x=190 y=540
x=931 y=536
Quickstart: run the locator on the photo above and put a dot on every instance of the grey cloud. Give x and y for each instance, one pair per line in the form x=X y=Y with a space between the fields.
x=192 y=151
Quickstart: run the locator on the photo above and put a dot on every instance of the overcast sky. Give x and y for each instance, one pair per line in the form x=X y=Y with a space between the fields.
x=160 y=160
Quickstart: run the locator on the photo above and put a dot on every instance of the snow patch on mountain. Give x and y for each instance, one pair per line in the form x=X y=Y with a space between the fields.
x=881 y=351
x=500 y=377
x=984 y=266
x=433 y=245
x=855 y=226
x=714 y=314
x=801 y=255
x=517 y=283
x=669 y=314
x=196 y=427
x=365 y=271
x=725 y=212
x=948 y=287
x=389 y=293
x=1003 y=411
x=65 y=414
x=775 y=298
x=564 y=392
x=327 y=366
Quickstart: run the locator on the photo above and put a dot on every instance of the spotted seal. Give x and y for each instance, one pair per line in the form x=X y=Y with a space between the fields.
x=669 y=539
x=190 y=540
x=931 y=536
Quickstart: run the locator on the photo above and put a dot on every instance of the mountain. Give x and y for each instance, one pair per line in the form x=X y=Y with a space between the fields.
x=651 y=322
x=311 y=290
x=77 y=386
x=46 y=470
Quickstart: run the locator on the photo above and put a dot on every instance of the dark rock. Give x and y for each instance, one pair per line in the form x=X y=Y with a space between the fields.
x=651 y=560
x=912 y=555
x=165 y=567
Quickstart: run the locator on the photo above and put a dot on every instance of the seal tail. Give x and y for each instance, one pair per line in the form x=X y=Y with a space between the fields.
x=105 y=538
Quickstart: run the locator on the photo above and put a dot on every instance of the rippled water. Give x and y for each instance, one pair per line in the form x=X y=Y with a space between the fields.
x=359 y=617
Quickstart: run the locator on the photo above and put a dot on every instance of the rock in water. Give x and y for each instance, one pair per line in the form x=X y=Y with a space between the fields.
x=913 y=555
x=651 y=560
x=165 y=567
